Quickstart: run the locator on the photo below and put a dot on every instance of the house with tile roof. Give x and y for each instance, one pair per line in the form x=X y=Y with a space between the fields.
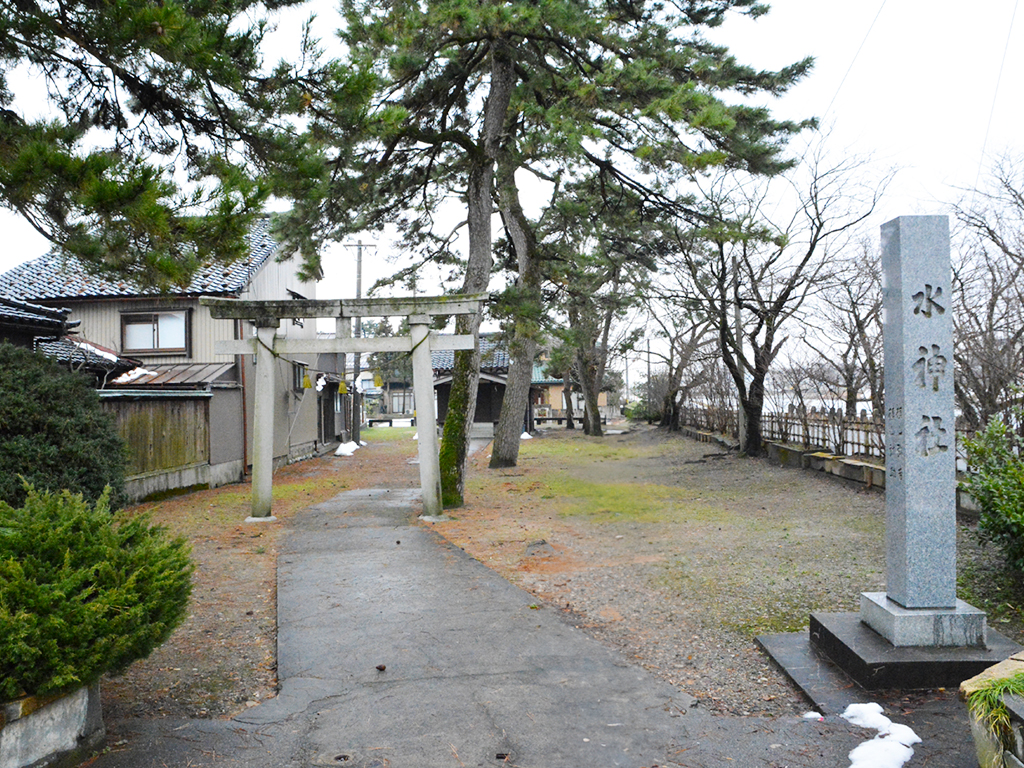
x=494 y=362
x=187 y=412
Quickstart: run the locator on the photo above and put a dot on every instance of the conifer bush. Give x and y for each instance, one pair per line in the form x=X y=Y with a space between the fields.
x=83 y=591
x=53 y=431
x=996 y=481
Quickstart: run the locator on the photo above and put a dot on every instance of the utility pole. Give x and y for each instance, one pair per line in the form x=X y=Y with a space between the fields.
x=648 y=405
x=357 y=332
x=741 y=415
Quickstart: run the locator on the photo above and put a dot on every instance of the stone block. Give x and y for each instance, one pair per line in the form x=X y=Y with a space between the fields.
x=875 y=663
x=817 y=460
x=920 y=438
x=962 y=626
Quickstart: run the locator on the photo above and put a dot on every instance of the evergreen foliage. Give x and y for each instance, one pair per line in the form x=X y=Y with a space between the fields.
x=141 y=95
x=988 y=704
x=629 y=93
x=996 y=482
x=82 y=591
x=461 y=95
x=53 y=431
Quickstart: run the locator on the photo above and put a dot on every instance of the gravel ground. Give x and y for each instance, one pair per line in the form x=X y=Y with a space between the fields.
x=680 y=554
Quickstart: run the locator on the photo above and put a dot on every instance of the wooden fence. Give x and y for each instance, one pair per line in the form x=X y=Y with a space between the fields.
x=825 y=430
x=163 y=434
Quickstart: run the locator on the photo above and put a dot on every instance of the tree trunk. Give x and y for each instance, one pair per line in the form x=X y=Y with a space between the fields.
x=459 y=419
x=753 y=406
x=666 y=410
x=591 y=389
x=466 y=376
x=567 y=397
x=505 y=451
x=523 y=348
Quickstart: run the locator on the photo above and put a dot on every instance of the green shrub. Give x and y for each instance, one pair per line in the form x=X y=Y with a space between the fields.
x=996 y=482
x=640 y=410
x=53 y=431
x=83 y=591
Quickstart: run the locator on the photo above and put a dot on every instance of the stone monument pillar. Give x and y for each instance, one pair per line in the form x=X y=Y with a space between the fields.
x=919 y=606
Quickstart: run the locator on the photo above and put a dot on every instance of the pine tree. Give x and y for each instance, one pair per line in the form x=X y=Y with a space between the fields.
x=161 y=122
x=627 y=91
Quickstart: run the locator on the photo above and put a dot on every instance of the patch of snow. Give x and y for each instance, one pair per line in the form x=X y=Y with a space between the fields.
x=891 y=748
x=810 y=715
x=880 y=752
x=94 y=349
x=416 y=436
x=346 y=449
x=132 y=375
x=526 y=436
x=867 y=716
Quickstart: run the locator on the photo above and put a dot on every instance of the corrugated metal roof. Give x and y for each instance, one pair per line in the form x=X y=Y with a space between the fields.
x=55 y=276
x=180 y=376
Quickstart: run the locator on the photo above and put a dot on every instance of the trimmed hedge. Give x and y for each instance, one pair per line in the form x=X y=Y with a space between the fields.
x=83 y=591
x=54 y=433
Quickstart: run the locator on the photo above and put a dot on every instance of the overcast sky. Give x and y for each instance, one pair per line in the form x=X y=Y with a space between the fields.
x=931 y=88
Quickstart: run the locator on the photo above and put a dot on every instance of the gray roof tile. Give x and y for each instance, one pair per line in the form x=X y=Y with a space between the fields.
x=77 y=353
x=493 y=357
x=42 y=319
x=55 y=276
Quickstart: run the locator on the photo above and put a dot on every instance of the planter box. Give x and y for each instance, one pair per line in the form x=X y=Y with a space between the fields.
x=988 y=747
x=51 y=731
x=786 y=455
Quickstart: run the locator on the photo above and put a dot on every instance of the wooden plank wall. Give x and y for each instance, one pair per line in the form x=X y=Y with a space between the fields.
x=163 y=434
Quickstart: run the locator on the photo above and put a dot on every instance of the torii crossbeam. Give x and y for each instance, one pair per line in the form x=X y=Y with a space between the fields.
x=266 y=345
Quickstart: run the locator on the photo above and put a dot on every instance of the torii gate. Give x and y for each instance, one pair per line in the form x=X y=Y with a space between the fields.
x=266 y=345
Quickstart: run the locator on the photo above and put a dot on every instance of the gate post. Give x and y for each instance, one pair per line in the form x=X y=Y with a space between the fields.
x=263 y=423
x=426 y=418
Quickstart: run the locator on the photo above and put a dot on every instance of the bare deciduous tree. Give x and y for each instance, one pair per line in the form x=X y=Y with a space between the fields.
x=688 y=357
x=848 y=341
x=989 y=297
x=751 y=274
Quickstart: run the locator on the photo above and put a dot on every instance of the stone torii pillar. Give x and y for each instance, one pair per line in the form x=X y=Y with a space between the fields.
x=263 y=418
x=266 y=346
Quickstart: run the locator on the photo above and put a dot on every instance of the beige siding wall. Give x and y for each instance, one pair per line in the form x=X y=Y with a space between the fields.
x=101 y=319
x=101 y=324
x=295 y=409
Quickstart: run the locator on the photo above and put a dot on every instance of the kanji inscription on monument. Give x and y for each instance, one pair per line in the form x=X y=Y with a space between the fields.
x=919 y=606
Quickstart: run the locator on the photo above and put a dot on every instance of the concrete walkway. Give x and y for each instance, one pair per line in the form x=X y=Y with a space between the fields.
x=397 y=649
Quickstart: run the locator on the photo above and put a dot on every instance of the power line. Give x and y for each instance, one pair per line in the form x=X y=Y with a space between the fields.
x=854 y=60
x=995 y=98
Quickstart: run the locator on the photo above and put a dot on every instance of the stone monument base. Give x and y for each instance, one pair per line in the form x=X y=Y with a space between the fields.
x=962 y=626
x=842 y=658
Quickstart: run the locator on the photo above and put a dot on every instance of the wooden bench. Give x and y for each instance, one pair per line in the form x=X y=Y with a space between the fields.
x=389 y=420
x=560 y=419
